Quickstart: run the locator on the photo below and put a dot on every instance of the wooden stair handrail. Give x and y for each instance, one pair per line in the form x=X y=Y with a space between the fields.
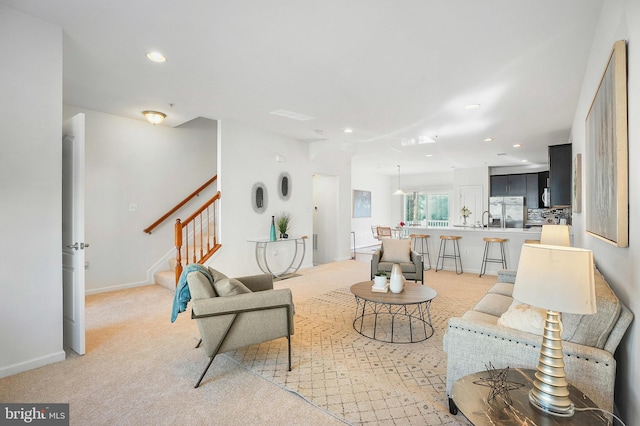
x=212 y=237
x=180 y=204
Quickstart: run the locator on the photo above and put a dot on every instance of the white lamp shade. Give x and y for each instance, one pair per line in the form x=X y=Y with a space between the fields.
x=556 y=278
x=555 y=235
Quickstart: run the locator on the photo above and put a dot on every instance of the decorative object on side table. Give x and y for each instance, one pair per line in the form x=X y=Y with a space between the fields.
x=272 y=230
x=498 y=383
x=380 y=281
x=465 y=213
x=396 y=282
x=283 y=221
x=559 y=279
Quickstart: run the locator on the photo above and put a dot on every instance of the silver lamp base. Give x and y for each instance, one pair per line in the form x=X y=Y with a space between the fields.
x=550 y=392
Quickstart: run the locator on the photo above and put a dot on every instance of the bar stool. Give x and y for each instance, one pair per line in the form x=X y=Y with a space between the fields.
x=487 y=249
x=442 y=253
x=420 y=244
x=532 y=241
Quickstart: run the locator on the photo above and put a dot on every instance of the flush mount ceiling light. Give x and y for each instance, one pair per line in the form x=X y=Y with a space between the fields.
x=399 y=191
x=154 y=117
x=156 y=57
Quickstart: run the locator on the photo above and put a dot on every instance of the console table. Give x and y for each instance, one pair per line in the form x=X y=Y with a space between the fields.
x=262 y=246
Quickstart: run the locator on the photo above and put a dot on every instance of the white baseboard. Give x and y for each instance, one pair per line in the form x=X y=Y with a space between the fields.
x=10 y=370
x=117 y=287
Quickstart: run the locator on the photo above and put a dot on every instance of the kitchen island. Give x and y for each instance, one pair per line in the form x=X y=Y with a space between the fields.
x=472 y=245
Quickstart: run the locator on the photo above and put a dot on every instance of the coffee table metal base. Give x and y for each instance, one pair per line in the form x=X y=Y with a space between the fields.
x=417 y=315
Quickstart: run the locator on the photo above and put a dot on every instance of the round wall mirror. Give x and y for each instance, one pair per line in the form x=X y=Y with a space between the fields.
x=284 y=185
x=259 y=197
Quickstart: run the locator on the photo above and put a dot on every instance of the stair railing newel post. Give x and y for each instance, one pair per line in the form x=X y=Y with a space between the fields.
x=178 y=243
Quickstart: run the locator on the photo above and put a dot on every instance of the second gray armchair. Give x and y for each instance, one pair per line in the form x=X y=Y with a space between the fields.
x=397 y=251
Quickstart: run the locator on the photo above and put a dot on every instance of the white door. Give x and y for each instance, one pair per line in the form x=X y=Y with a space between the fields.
x=471 y=198
x=73 y=243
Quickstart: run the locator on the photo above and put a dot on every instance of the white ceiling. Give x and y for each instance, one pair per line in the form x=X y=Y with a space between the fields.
x=392 y=70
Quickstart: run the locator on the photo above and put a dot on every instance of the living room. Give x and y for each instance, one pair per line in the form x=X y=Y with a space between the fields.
x=27 y=147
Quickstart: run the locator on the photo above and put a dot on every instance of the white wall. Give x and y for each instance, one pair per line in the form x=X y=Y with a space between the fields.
x=30 y=187
x=133 y=162
x=381 y=190
x=247 y=156
x=620 y=19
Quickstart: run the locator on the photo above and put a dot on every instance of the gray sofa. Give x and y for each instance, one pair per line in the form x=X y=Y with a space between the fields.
x=589 y=341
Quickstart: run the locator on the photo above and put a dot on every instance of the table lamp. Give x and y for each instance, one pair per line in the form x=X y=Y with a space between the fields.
x=558 y=279
x=555 y=235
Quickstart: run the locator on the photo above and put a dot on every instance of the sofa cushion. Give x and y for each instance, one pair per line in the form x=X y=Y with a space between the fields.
x=395 y=250
x=493 y=304
x=593 y=330
x=199 y=286
x=480 y=317
x=506 y=289
x=230 y=287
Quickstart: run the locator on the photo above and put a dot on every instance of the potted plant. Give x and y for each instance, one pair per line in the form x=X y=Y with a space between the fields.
x=380 y=279
x=283 y=221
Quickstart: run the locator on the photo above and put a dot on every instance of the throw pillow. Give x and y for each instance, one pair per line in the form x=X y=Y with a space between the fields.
x=217 y=275
x=524 y=317
x=230 y=287
x=396 y=251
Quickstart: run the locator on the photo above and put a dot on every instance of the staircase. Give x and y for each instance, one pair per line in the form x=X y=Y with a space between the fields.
x=195 y=238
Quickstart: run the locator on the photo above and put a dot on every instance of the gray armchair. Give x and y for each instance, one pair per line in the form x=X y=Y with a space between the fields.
x=234 y=313
x=398 y=251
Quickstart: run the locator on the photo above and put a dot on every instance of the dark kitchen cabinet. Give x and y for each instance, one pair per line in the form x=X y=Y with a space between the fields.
x=508 y=185
x=560 y=175
x=533 y=197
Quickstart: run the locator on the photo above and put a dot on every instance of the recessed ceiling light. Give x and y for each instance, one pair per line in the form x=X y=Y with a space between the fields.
x=524 y=161
x=472 y=106
x=156 y=57
x=487 y=140
x=348 y=130
x=517 y=145
x=429 y=155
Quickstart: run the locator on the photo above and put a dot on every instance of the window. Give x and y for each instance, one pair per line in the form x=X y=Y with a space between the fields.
x=427 y=208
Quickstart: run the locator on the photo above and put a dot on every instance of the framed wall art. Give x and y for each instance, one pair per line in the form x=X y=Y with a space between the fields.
x=361 y=203
x=606 y=172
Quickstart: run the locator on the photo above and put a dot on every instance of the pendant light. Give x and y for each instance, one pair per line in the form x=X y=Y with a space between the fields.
x=399 y=191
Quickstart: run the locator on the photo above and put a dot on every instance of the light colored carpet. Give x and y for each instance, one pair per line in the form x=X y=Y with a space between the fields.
x=140 y=368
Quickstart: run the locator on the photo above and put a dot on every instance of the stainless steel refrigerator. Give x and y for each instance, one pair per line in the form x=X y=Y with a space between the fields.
x=507 y=212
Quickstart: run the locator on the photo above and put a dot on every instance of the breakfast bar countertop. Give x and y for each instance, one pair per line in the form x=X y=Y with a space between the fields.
x=472 y=244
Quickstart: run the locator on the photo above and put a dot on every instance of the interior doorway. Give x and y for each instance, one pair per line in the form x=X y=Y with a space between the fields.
x=325 y=218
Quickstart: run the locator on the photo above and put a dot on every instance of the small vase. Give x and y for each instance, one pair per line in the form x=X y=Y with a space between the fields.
x=272 y=233
x=380 y=281
x=284 y=236
x=464 y=220
x=396 y=282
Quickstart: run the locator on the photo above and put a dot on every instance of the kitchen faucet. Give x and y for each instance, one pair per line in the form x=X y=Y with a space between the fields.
x=488 y=217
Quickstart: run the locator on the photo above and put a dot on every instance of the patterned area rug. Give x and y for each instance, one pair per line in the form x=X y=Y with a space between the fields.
x=357 y=379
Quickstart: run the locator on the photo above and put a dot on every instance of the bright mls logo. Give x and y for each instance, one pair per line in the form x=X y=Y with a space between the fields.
x=37 y=414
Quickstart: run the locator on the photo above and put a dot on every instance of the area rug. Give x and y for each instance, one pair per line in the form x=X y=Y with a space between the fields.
x=354 y=378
